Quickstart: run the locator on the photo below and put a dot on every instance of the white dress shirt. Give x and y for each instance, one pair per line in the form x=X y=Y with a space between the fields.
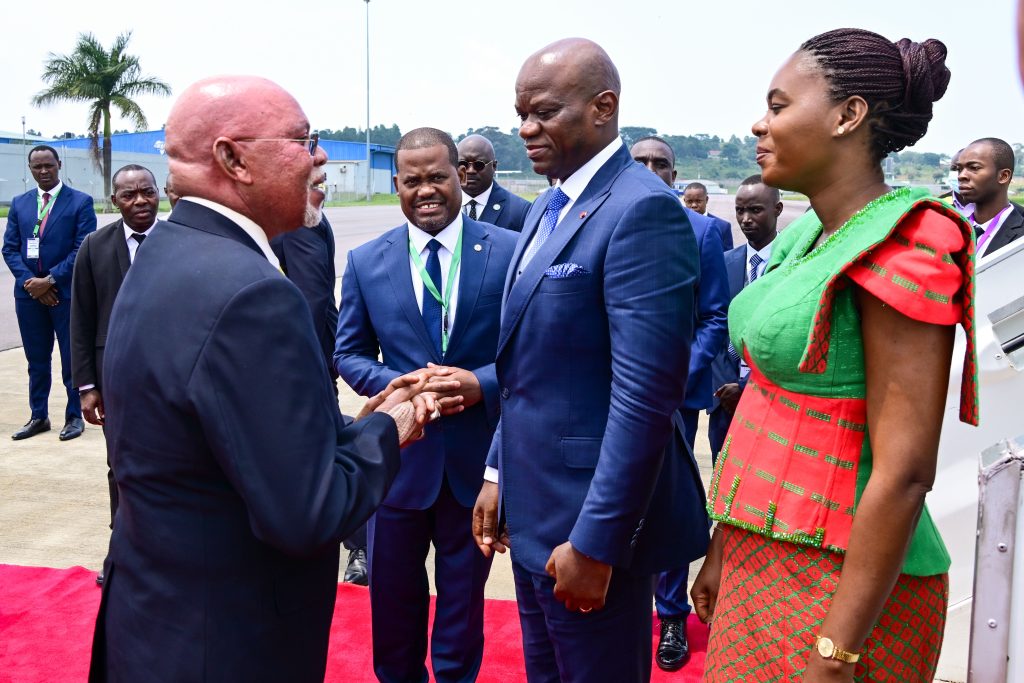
x=133 y=244
x=480 y=199
x=247 y=224
x=574 y=185
x=995 y=223
x=448 y=237
x=53 y=191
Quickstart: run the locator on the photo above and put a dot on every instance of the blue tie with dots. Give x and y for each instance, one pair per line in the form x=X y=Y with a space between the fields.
x=547 y=223
x=431 y=306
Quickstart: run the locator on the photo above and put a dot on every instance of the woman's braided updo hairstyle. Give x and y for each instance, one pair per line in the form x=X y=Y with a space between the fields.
x=899 y=81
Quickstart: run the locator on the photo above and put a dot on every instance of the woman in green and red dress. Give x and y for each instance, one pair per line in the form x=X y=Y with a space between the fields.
x=825 y=564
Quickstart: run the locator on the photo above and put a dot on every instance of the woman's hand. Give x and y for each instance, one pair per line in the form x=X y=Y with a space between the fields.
x=705 y=588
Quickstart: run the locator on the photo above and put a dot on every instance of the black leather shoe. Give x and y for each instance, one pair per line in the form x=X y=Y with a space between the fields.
x=73 y=428
x=99 y=579
x=673 y=649
x=36 y=425
x=355 y=571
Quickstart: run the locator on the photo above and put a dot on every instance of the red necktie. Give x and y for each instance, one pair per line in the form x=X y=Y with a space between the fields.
x=46 y=202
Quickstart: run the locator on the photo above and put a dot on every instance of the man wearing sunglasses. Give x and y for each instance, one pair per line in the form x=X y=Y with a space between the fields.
x=483 y=199
x=237 y=476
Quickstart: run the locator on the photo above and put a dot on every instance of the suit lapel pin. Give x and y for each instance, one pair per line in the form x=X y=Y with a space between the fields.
x=583 y=214
x=477 y=247
x=496 y=207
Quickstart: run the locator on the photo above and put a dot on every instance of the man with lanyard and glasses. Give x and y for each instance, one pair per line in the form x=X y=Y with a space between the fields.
x=45 y=227
x=986 y=168
x=428 y=293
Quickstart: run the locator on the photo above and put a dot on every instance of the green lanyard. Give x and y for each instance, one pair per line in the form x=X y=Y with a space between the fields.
x=42 y=212
x=445 y=301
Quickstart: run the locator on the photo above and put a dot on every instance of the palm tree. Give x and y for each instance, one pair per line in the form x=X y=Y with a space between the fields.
x=104 y=79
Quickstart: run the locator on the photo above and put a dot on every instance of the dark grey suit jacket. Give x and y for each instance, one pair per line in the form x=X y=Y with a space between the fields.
x=100 y=267
x=1012 y=229
x=504 y=209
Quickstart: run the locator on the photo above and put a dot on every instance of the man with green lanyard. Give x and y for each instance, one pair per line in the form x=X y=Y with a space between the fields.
x=428 y=292
x=45 y=227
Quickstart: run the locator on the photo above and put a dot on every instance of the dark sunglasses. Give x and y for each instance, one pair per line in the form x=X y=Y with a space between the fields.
x=477 y=165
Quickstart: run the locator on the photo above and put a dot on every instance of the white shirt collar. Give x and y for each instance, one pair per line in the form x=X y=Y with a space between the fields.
x=765 y=253
x=480 y=199
x=574 y=185
x=128 y=232
x=244 y=222
x=448 y=237
x=54 y=191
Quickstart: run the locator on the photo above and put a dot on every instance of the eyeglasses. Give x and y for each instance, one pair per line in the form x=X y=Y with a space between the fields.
x=477 y=165
x=311 y=142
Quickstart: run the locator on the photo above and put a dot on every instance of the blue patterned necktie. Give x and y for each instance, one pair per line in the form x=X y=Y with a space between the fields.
x=548 y=222
x=755 y=261
x=431 y=306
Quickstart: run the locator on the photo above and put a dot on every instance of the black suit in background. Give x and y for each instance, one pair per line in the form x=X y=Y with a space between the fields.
x=100 y=267
x=1012 y=229
x=238 y=477
x=307 y=259
x=504 y=209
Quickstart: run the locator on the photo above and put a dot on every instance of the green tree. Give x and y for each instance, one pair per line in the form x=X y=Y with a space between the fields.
x=104 y=79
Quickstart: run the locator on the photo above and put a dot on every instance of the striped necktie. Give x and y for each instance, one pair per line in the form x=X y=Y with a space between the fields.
x=755 y=261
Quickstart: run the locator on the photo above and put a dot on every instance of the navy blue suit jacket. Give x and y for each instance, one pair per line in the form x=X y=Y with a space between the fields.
x=725 y=370
x=379 y=315
x=510 y=212
x=712 y=313
x=592 y=368
x=307 y=258
x=237 y=475
x=71 y=219
x=724 y=231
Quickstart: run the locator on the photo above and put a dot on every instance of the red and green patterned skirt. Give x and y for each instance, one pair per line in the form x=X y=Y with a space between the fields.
x=773 y=599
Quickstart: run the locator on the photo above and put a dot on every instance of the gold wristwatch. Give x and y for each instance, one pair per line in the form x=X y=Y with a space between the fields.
x=827 y=649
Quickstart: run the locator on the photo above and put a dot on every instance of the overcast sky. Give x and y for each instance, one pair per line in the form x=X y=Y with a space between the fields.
x=687 y=67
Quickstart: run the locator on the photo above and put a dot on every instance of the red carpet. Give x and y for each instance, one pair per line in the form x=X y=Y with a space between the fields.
x=47 y=617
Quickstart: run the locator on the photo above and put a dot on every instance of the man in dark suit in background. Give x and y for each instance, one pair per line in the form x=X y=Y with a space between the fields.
x=986 y=169
x=306 y=256
x=483 y=199
x=237 y=475
x=100 y=267
x=695 y=198
x=598 y=491
x=758 y=207
x=388 y=309
x=45 y=228
x=708 y=340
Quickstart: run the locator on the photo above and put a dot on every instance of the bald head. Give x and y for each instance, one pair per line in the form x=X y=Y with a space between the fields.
x=476 y=159
x=583 y=62
x=567 y=96
x=240 y=141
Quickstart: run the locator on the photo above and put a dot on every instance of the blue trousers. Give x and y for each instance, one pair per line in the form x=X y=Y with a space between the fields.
x=39 y=325
x=612 y=644
x=399 y=592
x=718 y=425
x=670 y=596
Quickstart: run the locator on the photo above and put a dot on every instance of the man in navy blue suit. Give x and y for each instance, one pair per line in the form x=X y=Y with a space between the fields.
x=45 y=228
x=482 y=197
x=758 y=207
x=237 y=475
x=598 y=491
x=428 y=292
x=708 y=340
x=695 y=198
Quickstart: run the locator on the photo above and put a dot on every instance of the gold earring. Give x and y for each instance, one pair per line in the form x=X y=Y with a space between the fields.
x=841 y=130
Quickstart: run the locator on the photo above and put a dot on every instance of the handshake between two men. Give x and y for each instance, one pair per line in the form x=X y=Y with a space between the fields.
x=417 y=398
